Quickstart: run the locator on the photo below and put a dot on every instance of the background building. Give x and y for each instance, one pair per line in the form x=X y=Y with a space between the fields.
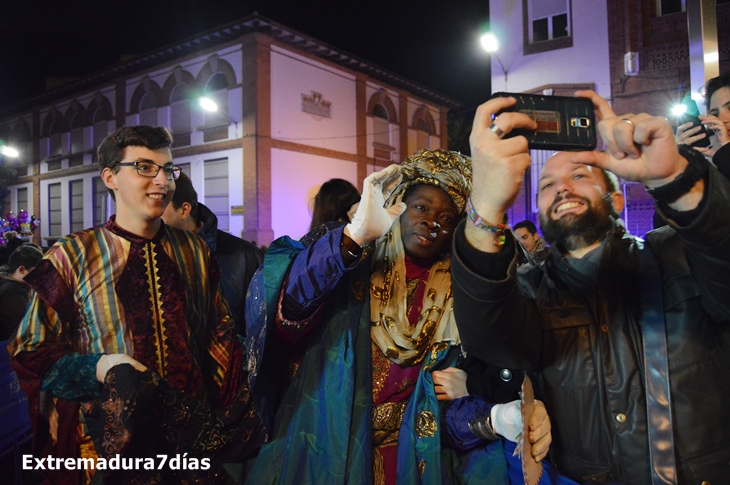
x=634 y=53
x=293 y=113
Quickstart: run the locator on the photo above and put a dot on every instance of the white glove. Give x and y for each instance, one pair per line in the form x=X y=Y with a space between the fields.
x=108 y=361
x=372 y=220
x=507 y=419
x=353 y=209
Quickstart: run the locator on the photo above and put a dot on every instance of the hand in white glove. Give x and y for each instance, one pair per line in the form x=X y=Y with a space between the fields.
x=108 y=361
x=372 y=220
x=507 y=419
x=507 y=422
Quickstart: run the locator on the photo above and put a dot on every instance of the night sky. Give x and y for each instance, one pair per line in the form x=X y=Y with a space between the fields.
x=432 y=42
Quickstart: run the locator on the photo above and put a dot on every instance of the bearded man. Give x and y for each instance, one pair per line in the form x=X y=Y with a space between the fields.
x=583 y=319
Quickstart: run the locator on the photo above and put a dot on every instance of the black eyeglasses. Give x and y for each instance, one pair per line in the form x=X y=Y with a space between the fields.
x=150 y=170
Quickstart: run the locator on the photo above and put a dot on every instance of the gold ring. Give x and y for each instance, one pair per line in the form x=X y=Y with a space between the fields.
x=628 y=121
x=496 y=130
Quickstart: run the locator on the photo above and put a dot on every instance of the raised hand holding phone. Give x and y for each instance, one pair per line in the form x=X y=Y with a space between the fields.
x=563 y=123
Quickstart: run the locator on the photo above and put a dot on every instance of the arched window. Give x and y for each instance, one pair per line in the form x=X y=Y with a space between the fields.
x=422 y=125
x=78 y=122
x=216 y=82
x=380 y=111
x=384 y=114
x=149 y=100
x=216 y=88
x=55 y=146
x=425 y=127
x=56 y=127
x=381 y=125
x=180 y=109
x=148 y=109
x=101 y=124
x=180 y=93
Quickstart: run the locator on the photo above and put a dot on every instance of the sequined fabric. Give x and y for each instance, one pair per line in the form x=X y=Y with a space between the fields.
x=392 y=331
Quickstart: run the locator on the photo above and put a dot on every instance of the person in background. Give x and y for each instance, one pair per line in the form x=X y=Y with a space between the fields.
x=128 y=347
x=12 y=241
x=238 y=259
x=333 y=202
x=717 y=120
x=14 y=292
x=531 y=242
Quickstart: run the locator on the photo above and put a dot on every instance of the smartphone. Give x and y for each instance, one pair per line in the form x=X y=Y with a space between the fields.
x=563 y=123
x=704 y=142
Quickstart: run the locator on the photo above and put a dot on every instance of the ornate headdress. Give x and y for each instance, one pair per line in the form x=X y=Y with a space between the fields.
x=391 y=330
x=450 y=171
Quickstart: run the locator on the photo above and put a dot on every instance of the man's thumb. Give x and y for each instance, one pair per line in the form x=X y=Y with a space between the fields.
x=596 y=159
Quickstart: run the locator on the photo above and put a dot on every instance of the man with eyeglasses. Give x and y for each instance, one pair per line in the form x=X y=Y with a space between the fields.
x=128 y=348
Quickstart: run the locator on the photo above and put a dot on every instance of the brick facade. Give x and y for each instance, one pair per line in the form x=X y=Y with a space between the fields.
x=662 y=45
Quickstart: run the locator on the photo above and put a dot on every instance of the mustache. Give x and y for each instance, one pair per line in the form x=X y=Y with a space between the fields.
x=559 y=199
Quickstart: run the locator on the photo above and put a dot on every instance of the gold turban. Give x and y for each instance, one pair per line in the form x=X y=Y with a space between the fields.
x=450 y=171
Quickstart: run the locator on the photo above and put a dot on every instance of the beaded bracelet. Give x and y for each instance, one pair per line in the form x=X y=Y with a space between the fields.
x=476 y=219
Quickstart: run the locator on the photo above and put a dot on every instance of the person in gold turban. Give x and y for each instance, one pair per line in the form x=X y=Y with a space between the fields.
x=346 y=327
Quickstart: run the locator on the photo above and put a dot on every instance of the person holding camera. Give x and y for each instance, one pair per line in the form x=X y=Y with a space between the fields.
x=630 y=338
x=717 y=97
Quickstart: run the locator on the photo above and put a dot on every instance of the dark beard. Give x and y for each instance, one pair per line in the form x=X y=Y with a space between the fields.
x=578 y=231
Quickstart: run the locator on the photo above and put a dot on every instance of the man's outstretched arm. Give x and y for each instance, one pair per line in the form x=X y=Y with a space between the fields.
x=492 y=316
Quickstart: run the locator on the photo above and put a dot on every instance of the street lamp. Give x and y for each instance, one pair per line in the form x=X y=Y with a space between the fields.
x=211 y=106
x=9 y=152
x=490 y=43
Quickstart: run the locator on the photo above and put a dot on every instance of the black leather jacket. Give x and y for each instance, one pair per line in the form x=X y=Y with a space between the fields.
x=721 y=159
x=238 y=260
x=584 y=339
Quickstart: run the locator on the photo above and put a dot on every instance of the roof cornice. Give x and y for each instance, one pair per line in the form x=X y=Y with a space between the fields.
x=222 y=35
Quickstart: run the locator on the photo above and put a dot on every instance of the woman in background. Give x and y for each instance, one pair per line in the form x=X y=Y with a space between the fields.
x=333 y=201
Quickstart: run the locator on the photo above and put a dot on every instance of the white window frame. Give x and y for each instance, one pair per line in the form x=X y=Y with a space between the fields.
x=550 y=23
x=659 y=8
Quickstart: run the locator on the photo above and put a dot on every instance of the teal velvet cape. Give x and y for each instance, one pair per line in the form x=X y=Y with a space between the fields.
x=319 y=427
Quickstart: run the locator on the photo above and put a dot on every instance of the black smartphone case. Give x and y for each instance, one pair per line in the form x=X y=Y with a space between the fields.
x=704 y=142
x=563 y=123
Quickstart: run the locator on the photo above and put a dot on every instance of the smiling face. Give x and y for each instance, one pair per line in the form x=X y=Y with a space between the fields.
x=140 y=201
x=428 y=222
x=574 y=204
